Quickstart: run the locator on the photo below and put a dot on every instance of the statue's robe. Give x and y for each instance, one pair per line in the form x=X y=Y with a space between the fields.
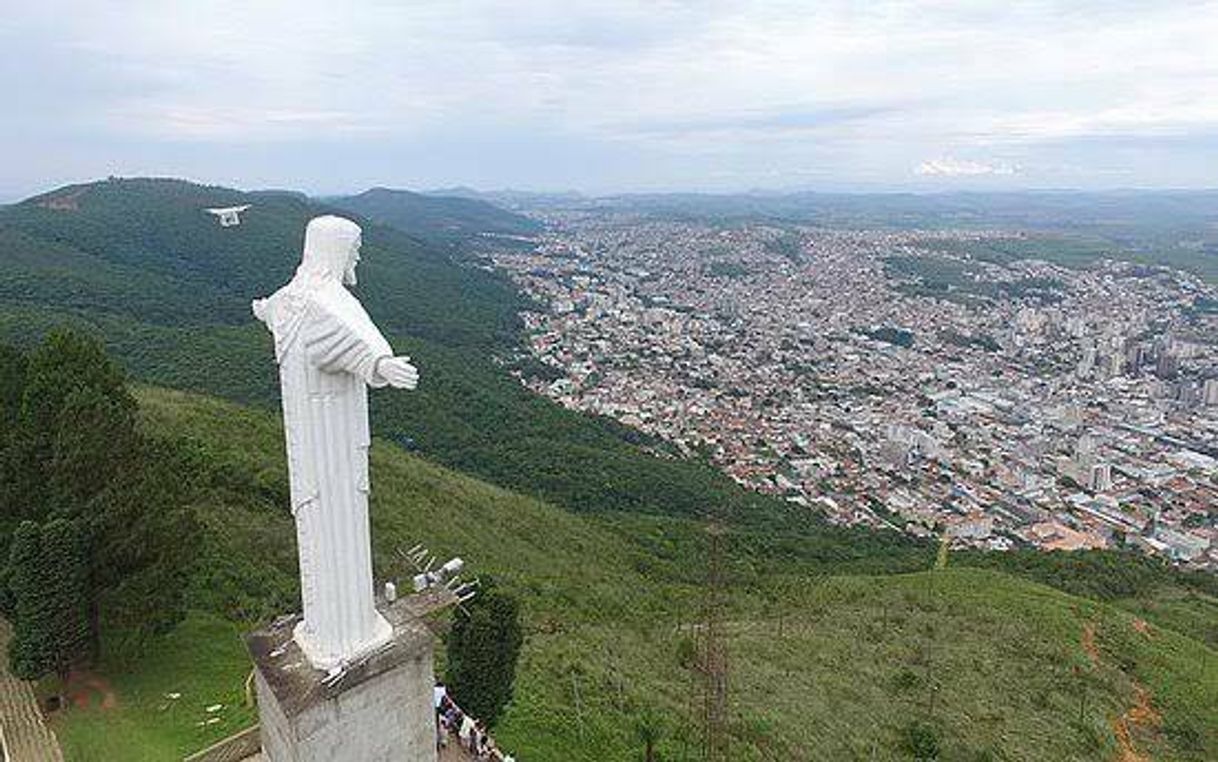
x=327 y=348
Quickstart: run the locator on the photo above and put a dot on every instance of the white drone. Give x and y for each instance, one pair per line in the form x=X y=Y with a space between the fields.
x=229 y=215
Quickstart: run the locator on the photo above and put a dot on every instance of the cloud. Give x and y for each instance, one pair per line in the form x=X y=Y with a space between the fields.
x=665 y=92
x=949 y=167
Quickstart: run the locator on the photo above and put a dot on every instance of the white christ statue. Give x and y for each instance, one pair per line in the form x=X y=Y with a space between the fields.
x=329 y=353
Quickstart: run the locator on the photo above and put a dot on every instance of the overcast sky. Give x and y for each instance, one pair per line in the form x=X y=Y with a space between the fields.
x=328 y=96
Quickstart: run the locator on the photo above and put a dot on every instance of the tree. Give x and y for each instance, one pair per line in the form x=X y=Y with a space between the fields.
x=73 y=391
x=146 y=535
x=483 y=647
x=29 y=655
x=66 y=590
x=75 y=454
x=49 y=583
x=95 y=444
x=649 y=729
x=12 y=386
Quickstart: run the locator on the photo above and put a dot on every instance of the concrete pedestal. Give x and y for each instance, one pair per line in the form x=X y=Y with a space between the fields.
x=379 y=710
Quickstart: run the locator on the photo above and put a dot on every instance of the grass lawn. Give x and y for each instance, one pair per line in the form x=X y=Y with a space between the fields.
x=203 y=660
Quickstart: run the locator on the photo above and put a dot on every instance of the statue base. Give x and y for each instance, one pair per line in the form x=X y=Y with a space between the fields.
x=379 y=709
x=325 y=659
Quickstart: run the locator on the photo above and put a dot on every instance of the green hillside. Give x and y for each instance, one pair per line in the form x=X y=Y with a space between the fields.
x=436 y=217
x=822 y=667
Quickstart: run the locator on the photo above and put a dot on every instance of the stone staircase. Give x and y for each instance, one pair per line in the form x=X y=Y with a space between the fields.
x=25 y=735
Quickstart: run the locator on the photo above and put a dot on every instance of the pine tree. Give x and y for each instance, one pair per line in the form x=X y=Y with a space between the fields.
x=483 y=647
x=12 y=383
x=95 y=443
x=70 y=375
x=12 y=387
x=146 y=533
x=67 y=593
x=48 y=580
x=29 y=652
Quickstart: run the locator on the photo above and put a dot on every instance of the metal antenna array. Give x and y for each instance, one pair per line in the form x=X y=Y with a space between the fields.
x=447 y=575
x=713 y=665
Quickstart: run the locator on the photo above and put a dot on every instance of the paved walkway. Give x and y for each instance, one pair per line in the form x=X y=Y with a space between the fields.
x=454 y=753
x=450 y=754
x=25 y=733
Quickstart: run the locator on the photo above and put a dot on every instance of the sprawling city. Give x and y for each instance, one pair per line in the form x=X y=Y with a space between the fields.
x=893 y=379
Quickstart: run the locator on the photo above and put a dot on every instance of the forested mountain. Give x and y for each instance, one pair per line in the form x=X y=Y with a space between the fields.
x=515 y=199
x=433 y=217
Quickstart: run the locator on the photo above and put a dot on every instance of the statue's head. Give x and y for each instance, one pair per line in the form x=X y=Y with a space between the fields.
x=331 y=247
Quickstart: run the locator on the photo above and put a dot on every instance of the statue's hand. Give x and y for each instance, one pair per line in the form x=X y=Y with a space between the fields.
x=398 y=372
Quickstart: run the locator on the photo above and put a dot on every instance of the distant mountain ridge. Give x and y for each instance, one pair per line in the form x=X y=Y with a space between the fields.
x=438 y=218
x=513 y=199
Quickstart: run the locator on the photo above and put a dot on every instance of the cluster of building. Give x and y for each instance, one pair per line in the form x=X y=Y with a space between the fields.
x=996 y=402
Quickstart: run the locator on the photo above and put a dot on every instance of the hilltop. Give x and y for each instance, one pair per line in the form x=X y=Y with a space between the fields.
x=822 y=667
x=436 y=217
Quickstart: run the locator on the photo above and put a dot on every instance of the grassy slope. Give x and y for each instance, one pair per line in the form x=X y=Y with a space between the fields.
x=822 y=668
x=202 y=660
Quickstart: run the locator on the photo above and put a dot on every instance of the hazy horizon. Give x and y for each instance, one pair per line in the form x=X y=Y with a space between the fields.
x=630 y=98
x=456 y=189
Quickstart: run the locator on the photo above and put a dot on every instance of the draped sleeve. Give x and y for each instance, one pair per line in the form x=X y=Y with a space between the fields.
x=338 y=336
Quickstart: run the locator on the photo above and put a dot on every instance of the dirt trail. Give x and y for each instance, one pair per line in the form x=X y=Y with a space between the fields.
x=83 y=685
x=1142 y=716
x=1089 y=646
x=1126 y=751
